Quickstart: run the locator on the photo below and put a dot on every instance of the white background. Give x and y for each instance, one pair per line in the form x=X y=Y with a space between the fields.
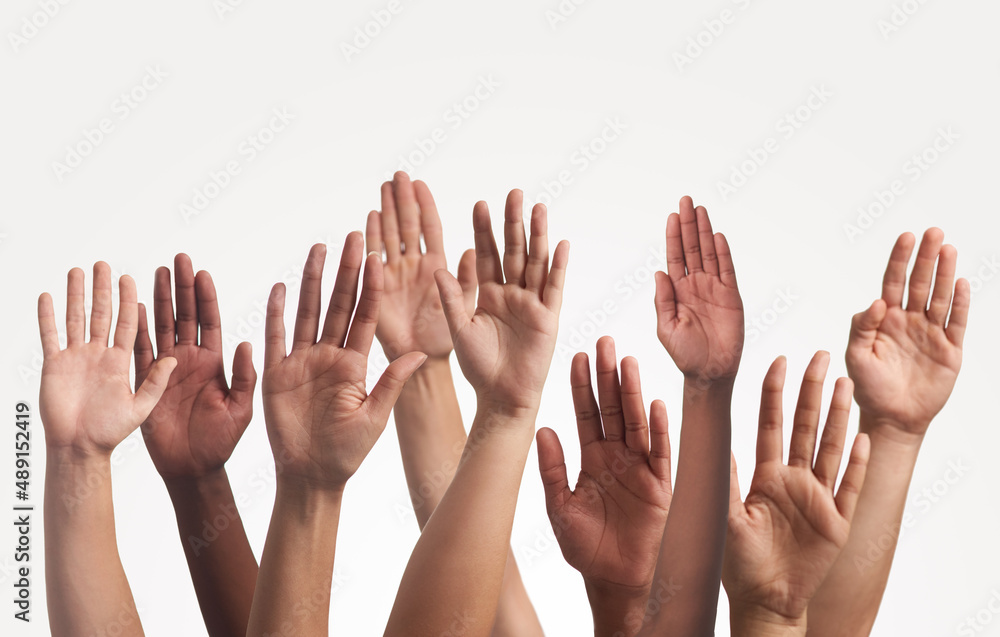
x=688 y=125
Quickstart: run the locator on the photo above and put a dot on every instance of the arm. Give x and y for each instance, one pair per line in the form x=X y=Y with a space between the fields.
x=610 y=526
x=428 y=420
x=190 y=435
x=454 y=578
x=87 y=409
x=322 y=424
x=784 y=539
x=700 y=323
x=904 y=363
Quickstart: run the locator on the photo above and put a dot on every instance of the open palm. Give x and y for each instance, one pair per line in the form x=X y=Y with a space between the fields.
x=905 y=362
x=611 y=525
x=86 y=402
x=412 y=317
x=321 y=421
x=786 y=536
x=698 y=304
x=198 y=421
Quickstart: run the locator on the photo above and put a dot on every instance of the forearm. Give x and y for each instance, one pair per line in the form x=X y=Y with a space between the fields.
x=87 y=590
x=431 y=435
x=849 y=599
x=292 y=594
x=754 y=622
x=690 y=561
x=457 y=568
x=617 y=613
x=222 y=564
x=516 y=617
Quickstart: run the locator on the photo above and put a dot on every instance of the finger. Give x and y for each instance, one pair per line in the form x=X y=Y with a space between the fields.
x=831 y=447
x=144 y=356
x=675 y=247
x=923 y=270
x=209 y=320
x=854 y=477
x=310 y=299
x=552 y=467
x=633 y=408
x=537 y=270
x=345 y=291
x=735 y=499
x=452 y=301
x=488 y=267
x=467 y=279
x=689 y=236
x=609 y=393
x=373 y=233
x=664 y=299
x=100 y=313
x=727 y=271
x=383 y=396
x=128 y=316
x=187 y=301
x=274 y=327
x=865 y=325
x=244 y=381
x=47 y=329
x=944 y=283
x=659 y=440
x=409 y=213
x=805 y=423
x=76 y=314
x=390 y=224
x=163 y=313
x=706 y=239
x=515 y=252
x=769 y=437
x=552 y=297
x=959 y=312
x=588 y=414
x=152 y=388
x=362 y=331
x=430 y=220
x=894 y=280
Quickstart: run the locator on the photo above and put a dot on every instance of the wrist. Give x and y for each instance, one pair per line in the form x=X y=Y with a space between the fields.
x=891 y=433
x=307 y=502
x=751 y=620
x=617 y=610
x=695 y=384
x=434 y=373
x=70 y=455
x=197 y=486
x=517 y=412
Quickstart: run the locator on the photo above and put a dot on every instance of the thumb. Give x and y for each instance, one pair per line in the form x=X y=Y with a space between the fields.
x=735 y=499
x=453 y=301
x=152 y=388
x=244 y=379
x=864 y=325
x=468 y=280
x=385 y=392
x=552 y=467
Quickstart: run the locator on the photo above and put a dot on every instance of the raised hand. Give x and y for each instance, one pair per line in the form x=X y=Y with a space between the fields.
x=786 y=536
x=610 y=526
x=505 y=348
x=412 y=318
x=698 y=306
x=197 y=422
x=905 y=360
x=320 y=419
x=86 y=401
